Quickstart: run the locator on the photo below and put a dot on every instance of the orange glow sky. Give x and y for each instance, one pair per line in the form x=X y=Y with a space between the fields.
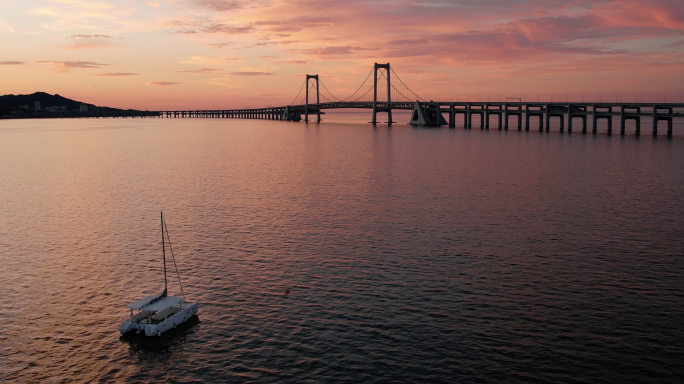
x=201 y=54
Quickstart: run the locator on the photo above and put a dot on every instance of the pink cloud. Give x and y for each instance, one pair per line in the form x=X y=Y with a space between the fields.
x=116 y=74
x=251 y=73
x=296 y=62
x=207 y=26
x=201 y=70
x=11 y=62
x=73 y=64
x=89 y=42
x=161 y=83
x=220 y=45
x=333 y=50
x=220 y=5
x=296 y=24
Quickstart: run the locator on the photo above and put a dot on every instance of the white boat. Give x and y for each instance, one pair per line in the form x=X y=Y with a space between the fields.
x=157 y=314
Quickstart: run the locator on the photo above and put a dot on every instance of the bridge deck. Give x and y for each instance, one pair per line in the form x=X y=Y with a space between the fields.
x=503 y=110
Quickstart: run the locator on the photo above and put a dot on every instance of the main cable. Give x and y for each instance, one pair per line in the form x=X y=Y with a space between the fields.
x=298 y=93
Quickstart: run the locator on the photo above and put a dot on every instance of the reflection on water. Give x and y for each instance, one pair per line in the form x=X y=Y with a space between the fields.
x=408 y=255
x=152 y=353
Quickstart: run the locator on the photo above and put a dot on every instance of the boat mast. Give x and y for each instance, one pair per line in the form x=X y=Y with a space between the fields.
x=163 y=253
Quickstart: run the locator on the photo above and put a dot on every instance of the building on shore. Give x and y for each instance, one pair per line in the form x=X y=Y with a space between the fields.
x=37 y=106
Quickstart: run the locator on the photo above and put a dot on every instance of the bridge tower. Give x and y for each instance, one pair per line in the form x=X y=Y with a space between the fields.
x=386 y=67
x=306 y=107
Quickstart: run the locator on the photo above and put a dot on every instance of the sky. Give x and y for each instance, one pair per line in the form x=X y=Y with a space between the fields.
x=210 y=54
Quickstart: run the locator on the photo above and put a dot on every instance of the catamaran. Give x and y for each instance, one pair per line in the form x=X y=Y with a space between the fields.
x=157 y=314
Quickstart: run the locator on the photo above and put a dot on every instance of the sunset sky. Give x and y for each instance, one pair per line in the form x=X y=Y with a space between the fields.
x=188 y=54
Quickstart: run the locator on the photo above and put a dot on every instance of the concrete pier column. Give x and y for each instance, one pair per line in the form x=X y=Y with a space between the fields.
x=610 y=121
x=505 y=117
x=547 y=116
x=569 y=118
x=527 y=117
x=595 y=117
x=452 y=116
x=469 y=116
x=486 y=115
x=669 y=122
x=541 y=123
x=638 y=121
x=622 y=119
x=562 y=122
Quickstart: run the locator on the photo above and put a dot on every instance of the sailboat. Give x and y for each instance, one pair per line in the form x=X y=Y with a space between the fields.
x=157 y=314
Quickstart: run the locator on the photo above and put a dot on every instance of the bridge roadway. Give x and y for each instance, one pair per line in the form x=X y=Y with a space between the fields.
x=432 y=113
x=288 y=112
x=523 y=111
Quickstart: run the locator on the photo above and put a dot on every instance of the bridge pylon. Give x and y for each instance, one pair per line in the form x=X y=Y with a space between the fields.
x=386 y=67
x=306 y=107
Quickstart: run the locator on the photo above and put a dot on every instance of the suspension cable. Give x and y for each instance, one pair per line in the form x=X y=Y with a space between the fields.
x=365 y=88
x=330 y=93
x=354 y=93
x=298 y=93
x=406 y=86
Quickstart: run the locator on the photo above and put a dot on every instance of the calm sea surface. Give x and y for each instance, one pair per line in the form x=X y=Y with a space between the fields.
x=410 y=255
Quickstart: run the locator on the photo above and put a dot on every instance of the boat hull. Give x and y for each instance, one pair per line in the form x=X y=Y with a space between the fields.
x=170 y=322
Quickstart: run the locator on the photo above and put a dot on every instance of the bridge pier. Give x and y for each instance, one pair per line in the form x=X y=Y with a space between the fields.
x=489 y=112
x=603 y=115
x=469 y=116
x=452 y=116
x=626 y=115
x=551 y=112
x=657 y=117
x=505 y=116
x=429 y=115
x=571 y=114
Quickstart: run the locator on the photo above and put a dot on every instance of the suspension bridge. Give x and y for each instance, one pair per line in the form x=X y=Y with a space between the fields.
x=383 y=91
x=314 y=97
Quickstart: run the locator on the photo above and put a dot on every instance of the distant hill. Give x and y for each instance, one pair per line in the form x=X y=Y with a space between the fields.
x=46 y=100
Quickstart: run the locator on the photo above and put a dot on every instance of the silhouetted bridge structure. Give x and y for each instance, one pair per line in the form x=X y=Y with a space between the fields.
x=432 y=114
x=398 y=96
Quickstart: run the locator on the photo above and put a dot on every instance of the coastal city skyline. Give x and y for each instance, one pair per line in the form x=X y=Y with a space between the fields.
x=212 y=54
